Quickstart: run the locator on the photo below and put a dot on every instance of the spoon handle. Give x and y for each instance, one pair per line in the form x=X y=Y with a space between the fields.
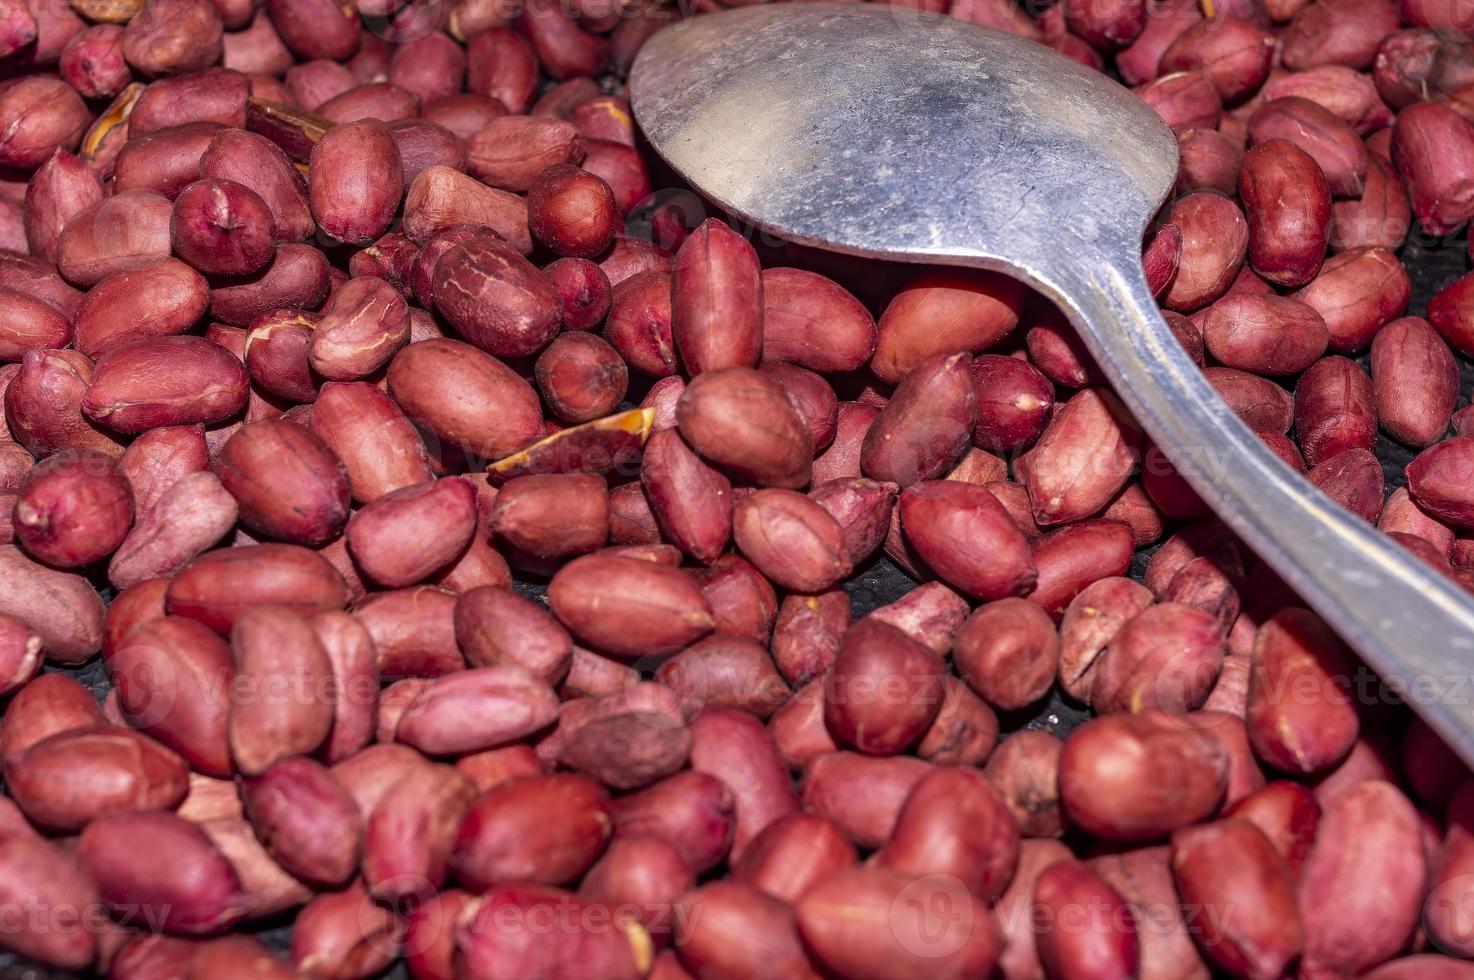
x=1407 y=621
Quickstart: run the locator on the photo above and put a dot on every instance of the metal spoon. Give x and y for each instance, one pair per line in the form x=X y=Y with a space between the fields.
x=877 y=131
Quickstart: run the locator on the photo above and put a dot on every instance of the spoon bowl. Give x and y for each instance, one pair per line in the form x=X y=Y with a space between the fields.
x=881 y=131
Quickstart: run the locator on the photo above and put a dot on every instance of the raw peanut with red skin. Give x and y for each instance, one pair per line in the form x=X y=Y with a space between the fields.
x=355 y=180
x=1015 y=402
x=510 y=152
x=1443 y=911
x=1433 y=147
x=1437 y=480
x=1232 y=864
x=584 y=289
x=791 y=539
x=73 y=508
x=1024 y=770
x=408 y=838
x=1415 y=381
x=364 y=324
x=552 y=516
x=1107 y=26
x=1165 y=658
x=272 y=646
x=173 y=680
x=407 y=535
x=1372 y=830
x=1016 y=909
x=1070 y=559
x=167 y=37
x=297 y=279
x=1401 y=515
x=814 y=322
x=276 y=355
x=28 y=323
x=440 y=198
x=35 y=870
x=926 y=426
x=1104 y=944
x=261 y=165
x=726 y=671
x=1082 y=460
x=691 y=501
x=380 y=101
x=163 y=298
x=472 y=710
x=730 y=929
x=391 y=258
x=1449 y=311
x=223 y=228
x=630 y=738
x=218 y=586
x=1352 y=479
x=955 y=824
x=1185 y=100
x=581 y=377
x=1315 y=728
x=429 y=940
x=930 y=614
x=192 y=515
x=884 y=689
x=1357 y=292
x=842 y=459
x=1380 y=217
x=346 y=933
x=1331 y=142
x=1272 y=335
x=288 y=482
x=20 y=653
x=1345 y=33
x=1235 y=54
x=1107 y=761
x=1008 y=652
x=165 y=381
x=194 y=892
x=863 y=794
x=639 y=323
x=742 y=600
x=811 y=396
x=1263 y=405
x=717 y=300
x=693 y=810
x=1215 y=238
x=350 y=650
x=807 y=634
x=734 y=747
x=628 y=607
x=1288 y=206
x=497 y=414
x=62 y=607
x=61 y=187
x=379 y=448
x=43 y=404
x=742 y=420
x=67 y=780
x=845 y=921
x=1348 y=94
x=1335 y=409
x=39 y=114
x=497 y=626
x=306 y=819
x=495 y=298
x=413 y=631
x=498 y=932
x=863 y=509
x=1209 y=161
x=166 y=160
x=121 y=232
x=1091 y=622
x=544 y=829
x=792 y=854
x=642 y=876
x=1287 y=814
x=964 y=731
x=50 y=704
x=941 y=312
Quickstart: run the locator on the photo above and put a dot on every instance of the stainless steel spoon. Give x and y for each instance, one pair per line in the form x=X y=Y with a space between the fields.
x=877 y=131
